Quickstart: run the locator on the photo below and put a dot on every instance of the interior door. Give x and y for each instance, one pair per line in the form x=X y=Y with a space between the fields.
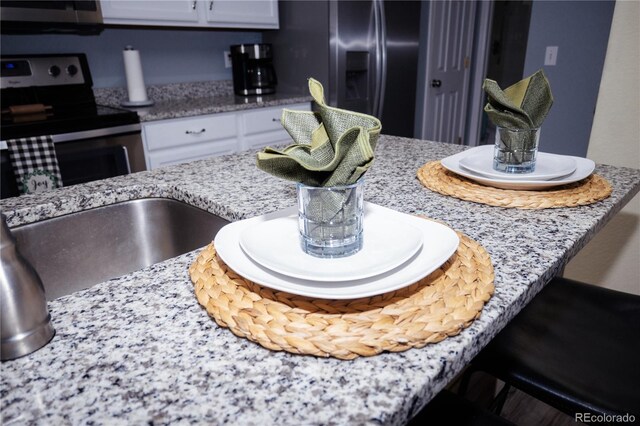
x=450 y=35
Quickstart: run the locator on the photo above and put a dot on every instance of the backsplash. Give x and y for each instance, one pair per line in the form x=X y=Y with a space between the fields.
x=168 y=55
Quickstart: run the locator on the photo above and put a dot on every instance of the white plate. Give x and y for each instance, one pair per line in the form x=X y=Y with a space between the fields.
x=439 y=243
x=584 y=167
x=548 y=166
x=275 y=244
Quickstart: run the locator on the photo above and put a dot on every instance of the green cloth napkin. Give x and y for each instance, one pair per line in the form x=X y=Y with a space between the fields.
x=332 y=146
x=523 y=105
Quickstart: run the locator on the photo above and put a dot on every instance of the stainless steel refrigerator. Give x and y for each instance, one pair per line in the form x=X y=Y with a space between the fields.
x=365 y=53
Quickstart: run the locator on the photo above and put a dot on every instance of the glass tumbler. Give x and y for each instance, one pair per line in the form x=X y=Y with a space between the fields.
x=515 y=150
x=330 y=219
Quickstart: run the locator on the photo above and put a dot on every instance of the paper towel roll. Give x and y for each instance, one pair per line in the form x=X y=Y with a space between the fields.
x=135 y=80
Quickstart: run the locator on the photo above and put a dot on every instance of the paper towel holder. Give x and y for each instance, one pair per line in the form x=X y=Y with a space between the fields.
x=139 y=103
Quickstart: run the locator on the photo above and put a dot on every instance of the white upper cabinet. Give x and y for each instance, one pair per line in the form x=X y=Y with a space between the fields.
x=234 y=13
x=257 y=14
x=158 y=12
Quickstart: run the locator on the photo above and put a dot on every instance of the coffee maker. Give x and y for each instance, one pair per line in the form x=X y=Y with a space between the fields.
x=253 y=72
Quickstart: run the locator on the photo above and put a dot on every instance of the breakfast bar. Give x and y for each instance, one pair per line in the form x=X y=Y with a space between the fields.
x=140 y=348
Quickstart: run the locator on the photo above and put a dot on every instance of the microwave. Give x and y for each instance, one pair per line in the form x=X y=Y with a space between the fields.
x=51 y=16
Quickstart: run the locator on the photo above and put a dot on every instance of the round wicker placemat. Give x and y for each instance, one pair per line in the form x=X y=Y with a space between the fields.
x=428 y=311
x=587 y=191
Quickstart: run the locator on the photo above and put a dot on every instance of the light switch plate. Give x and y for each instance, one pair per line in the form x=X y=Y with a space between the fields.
x=551 y=55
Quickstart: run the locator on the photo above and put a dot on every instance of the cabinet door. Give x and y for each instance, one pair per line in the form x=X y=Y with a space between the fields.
x=242 y=14
x=159 y=12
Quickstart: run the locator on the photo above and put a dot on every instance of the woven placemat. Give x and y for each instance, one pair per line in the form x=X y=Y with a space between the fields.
x=587 y=191
x=428 y=311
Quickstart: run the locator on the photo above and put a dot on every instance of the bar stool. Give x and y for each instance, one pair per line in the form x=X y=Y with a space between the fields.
x=575 y=347
x=448 y=408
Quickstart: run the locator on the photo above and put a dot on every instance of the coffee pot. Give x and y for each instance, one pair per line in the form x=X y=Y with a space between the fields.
x=253 y=72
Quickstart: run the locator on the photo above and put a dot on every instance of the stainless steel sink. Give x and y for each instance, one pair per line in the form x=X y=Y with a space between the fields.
x=78 y=250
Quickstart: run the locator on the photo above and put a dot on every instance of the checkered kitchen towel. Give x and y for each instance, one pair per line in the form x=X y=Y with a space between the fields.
x=35 y=164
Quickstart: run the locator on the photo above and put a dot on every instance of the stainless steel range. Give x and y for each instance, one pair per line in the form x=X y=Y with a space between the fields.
x=52 y=95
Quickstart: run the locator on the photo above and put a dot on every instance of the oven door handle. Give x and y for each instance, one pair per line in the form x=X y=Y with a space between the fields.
x=90 y=134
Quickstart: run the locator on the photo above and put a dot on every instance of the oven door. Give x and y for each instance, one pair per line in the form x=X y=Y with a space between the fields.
x=87 y=156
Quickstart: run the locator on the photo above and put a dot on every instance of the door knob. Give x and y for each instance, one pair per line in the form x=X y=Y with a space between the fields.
x=436 y=83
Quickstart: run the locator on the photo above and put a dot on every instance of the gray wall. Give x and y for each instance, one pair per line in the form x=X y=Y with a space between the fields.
x=168 y=56
x=580 y=29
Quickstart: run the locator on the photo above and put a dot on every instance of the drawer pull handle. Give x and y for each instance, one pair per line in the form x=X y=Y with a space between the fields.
x=275 y=119
x=199 y=132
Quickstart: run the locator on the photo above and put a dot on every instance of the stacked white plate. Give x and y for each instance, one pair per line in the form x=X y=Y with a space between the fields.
x=551 y=169
x=398 y=250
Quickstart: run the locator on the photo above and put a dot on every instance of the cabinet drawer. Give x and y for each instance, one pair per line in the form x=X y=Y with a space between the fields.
x=267 y=119
x=278 y=137
x=171 y=133
x=185 y=154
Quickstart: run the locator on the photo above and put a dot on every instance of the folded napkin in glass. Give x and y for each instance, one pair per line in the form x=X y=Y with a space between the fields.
x=523 y=105
x=518 y=113
x=332 y=151
x=332 y=146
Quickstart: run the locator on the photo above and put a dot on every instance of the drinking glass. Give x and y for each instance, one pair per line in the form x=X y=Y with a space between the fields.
x=330 y=219
x=515 y=150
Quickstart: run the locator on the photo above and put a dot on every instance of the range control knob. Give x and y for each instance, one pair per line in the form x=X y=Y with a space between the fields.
x=72 y=70
x=54 y=71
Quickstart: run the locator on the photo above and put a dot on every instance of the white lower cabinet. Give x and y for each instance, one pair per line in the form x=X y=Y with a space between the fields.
x=181 y=140
x=186 y=139
x=262 y=127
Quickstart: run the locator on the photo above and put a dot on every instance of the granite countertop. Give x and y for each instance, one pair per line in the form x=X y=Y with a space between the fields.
x=181 y=100
x=139 y=348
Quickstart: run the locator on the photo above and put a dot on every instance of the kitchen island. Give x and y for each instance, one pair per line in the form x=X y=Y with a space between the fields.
x=140 y=349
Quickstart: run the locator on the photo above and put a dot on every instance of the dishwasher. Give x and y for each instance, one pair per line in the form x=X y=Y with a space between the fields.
x=52 y=96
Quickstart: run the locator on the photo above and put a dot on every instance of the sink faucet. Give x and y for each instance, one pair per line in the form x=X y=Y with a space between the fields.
x=25 y=320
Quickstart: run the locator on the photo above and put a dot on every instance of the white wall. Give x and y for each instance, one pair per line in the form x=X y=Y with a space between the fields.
x=612 y=258
x=580 y=30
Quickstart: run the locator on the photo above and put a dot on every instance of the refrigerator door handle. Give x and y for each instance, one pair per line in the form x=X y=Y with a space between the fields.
x=383 y=48
x=378 y=53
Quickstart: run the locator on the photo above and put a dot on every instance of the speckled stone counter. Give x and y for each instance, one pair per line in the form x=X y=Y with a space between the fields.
x=180 y=100
x=140 y=350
